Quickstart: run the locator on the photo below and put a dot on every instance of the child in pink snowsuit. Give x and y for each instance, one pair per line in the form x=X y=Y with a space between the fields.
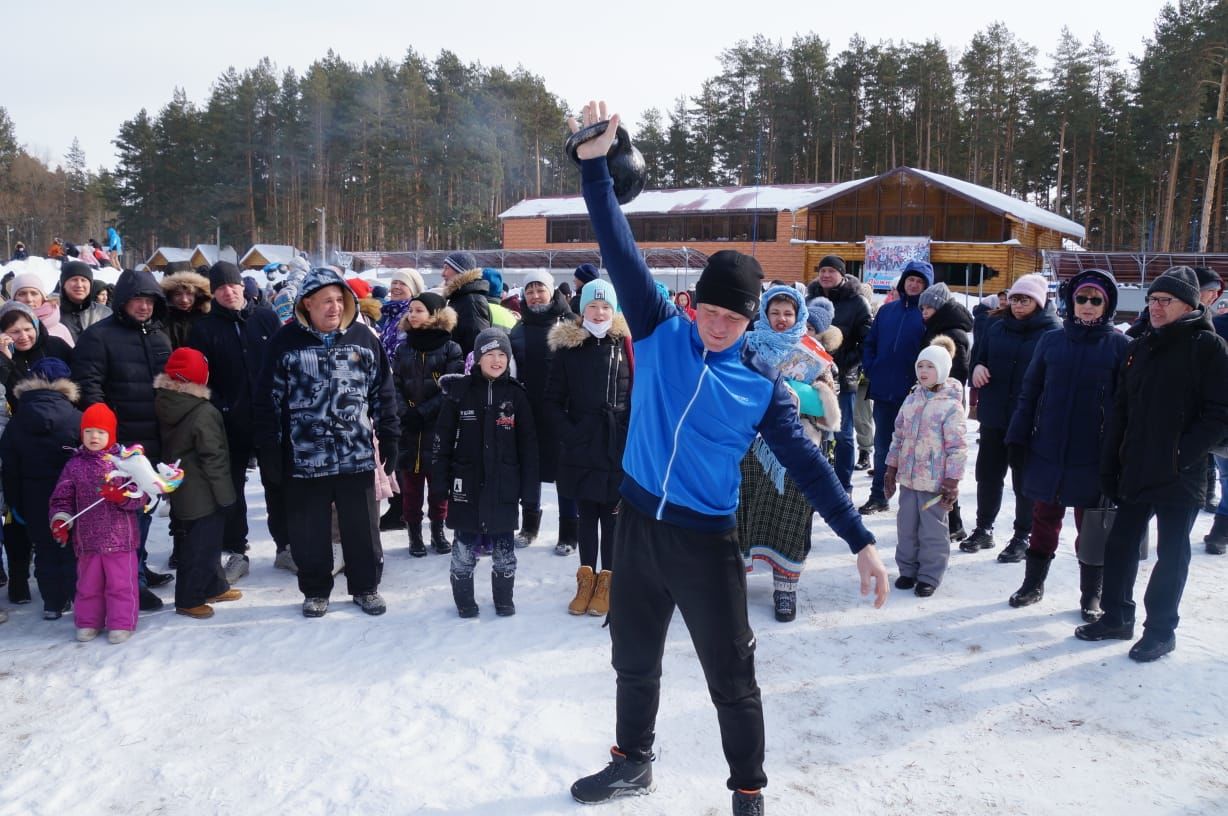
x=105 y=538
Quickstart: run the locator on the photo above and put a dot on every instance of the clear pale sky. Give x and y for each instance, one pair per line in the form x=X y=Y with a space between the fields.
x=80 y=69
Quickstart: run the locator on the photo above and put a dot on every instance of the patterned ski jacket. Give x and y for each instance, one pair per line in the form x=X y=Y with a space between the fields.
x=928 y=444
x=321 y=395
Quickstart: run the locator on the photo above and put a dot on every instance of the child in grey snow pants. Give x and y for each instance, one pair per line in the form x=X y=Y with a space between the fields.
x=923 y=544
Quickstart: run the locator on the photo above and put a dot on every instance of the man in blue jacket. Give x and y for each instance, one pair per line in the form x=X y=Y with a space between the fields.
x=700 y=398
x=888 y=357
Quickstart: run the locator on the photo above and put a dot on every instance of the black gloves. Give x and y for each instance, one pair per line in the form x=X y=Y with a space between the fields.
x=388 y=452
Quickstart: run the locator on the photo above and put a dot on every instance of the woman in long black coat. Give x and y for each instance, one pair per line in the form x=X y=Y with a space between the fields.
x=1059 y=420
x=23 y=342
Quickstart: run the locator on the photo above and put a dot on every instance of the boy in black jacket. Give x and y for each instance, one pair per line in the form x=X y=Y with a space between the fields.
x=486 y=465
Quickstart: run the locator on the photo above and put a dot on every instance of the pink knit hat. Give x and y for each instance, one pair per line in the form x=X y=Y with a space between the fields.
x=1034 y=286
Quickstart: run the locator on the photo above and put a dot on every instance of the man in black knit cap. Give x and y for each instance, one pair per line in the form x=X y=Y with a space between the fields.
x=700 y=398
x=1170 y=409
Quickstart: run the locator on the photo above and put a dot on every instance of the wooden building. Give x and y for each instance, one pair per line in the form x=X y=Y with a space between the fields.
x=978 y=236
x=173 y=259
x=261 y=255
x=208 y=255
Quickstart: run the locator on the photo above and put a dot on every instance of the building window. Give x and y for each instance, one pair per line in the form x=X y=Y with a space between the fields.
x=714 y=227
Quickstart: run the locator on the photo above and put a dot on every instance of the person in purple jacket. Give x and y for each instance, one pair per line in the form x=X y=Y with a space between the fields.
x=700 y=397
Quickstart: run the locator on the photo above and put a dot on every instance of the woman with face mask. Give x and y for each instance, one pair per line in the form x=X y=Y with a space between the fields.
x=588 y=408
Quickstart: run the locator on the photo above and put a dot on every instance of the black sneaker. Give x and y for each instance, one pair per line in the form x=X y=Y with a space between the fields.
x=371 y=603
x=905 y=582
x=1151 y=648
x=1103 y=631
x=149 y=602
x=786 y=605
x=979 y=540
x=747 y=803
x=157 y=579
x=873 y=506
x=1013 y=552
x=958 y=535
x=621 y=777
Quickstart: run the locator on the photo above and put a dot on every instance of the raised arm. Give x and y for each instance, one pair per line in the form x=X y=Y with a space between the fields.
x=641 y=303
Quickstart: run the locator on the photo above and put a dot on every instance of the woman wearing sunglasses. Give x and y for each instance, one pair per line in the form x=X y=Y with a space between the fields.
x=999 y=361
x=1059 y=420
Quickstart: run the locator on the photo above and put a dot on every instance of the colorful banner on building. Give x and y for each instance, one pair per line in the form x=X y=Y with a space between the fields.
x=887 y=255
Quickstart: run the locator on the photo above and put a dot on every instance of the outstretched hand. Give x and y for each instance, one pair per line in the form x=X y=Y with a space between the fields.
x=870 y=567
x=595 y=112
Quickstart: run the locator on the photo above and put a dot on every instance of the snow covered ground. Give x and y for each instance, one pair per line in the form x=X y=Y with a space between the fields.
x=956 y=704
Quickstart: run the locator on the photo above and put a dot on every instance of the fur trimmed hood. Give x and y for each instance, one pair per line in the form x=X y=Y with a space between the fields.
x=444 y=319
x=191 y=389
x=370 y=307
x=464 y=279
x=66 y=387
x=832 y=339
x=572 y=334
x=196 y=283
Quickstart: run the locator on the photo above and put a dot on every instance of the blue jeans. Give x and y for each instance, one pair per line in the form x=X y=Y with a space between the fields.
x=1221 y=465
x=884 y=428
x=502 y=553
x=1167 y=580
x=845 y=449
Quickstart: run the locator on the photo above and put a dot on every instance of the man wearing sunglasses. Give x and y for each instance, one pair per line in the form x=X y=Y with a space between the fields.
x=1170 y=409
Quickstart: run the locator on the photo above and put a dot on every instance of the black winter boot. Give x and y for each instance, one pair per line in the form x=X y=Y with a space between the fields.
x=569 y=536
x=1091 y=584
x=955 y=525
x=1034 y=573
x=392 y=518
x=863 y=460
x=1217 y=539
x=747 y=803
x=1013 y=552
x=1210 y=505
x=621 y=777
x=439 y=541
x=416 y=546
x=462 y=594
x=17 y=547
x=531 y=523
x=501 y=588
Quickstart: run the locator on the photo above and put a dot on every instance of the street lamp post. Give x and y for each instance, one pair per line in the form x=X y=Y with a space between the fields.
x=217 y=222
x=8 y=239
x=323 y=211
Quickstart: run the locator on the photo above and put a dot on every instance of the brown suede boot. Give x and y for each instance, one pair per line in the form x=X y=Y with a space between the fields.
x=199 y=612
x=585 y=583
x=600 y=605
x=228 y=595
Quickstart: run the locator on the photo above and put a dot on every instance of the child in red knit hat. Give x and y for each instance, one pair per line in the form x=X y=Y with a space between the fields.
x=192 y=433
x=105 y=537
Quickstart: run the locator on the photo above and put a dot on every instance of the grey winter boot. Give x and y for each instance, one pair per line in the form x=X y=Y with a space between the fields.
x=501 y=585
x=1091 y=583
x=462 y=594
x=1033 y=588
x=531 y=523
x=1015 y=549
x=1217 y=539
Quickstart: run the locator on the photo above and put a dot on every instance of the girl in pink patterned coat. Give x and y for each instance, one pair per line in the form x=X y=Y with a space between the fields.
x=105 y=538
x=926 y=461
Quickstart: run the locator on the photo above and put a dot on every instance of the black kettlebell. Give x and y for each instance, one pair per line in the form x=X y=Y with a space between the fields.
x=627 y=167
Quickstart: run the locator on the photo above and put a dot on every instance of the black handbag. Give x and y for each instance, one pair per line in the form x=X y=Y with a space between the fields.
x=1095 y=530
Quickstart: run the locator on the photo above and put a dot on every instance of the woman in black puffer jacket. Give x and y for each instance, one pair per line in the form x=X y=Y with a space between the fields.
x=428 y=353
x=588 y=408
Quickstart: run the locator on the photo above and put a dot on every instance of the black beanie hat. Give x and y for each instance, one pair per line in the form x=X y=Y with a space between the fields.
x=586 y=272
x=75 y=269
x=1208 y=278
x=431 y=301
x=222 y=274
x=1181 y=282
x=731 y=280
x=834 y=261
